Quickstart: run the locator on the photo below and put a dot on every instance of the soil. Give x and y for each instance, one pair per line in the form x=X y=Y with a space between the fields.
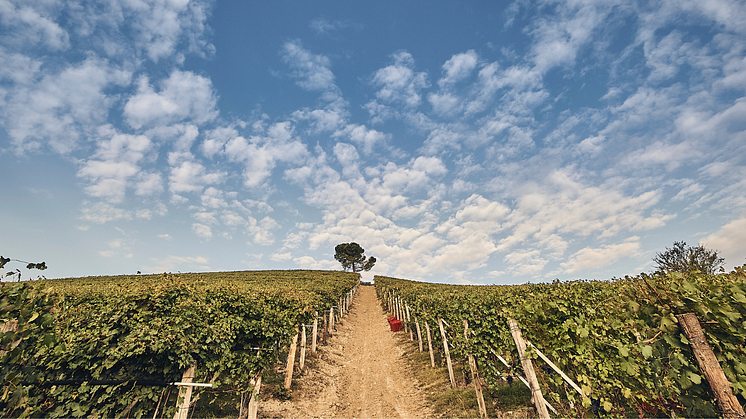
x=359 y=373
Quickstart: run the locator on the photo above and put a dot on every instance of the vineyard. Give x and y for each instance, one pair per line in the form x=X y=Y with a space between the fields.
x=114 y=346
x=618 y=343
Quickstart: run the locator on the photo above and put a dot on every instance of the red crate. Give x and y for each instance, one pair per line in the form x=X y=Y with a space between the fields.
x=395 y=325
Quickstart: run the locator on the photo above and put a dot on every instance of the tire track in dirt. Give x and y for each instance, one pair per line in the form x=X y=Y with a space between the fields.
x=360 y=374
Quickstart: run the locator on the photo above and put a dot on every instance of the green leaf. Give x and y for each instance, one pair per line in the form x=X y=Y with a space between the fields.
x=647 y=351
x=694 y=377
x=608 y=406
x=623 y=351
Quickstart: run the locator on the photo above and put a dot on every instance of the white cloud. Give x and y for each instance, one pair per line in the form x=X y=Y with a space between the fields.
x=215 y=140
x=260 y=154
x=458 y=67
x=27 y=24
x=369 y=139
x=589 y=258
x=114 y=163
x=312 y=71
x=191 y=176
x=280 y=257
x=101 y=212
x=399 y=83
x=202 y=230
x=173 y=263
x=58 y=108
x=730 y=242
x=325 y=26
x=308 y=262
x=183 y=95
x=262 y=230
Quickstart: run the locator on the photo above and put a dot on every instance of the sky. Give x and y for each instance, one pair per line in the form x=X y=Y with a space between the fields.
x=473 y=142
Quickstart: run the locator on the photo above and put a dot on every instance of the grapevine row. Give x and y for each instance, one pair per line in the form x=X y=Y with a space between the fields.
x=619 y=339
x=101 y=346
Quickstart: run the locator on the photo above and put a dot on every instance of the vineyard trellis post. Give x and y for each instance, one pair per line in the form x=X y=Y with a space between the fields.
x=254 y=400
x=331 y=320
x=448 y=353
x=185 y=393
x=727 y=402
x=419 y=333
x=302 y=349
x=430 y=345
x=291 y=361
x=475 y=378
x=314 y=335
x=564 y=376
x=528 y=369
x=411 y=333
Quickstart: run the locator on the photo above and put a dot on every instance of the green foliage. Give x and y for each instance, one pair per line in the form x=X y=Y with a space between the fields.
x=29 y=265
x=618 y=339
x=117 y=340
x=352 y=257
x=685 y=259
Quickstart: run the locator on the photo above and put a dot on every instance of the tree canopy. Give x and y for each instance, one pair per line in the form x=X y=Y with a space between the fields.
x=685 y=259
x=352 y=257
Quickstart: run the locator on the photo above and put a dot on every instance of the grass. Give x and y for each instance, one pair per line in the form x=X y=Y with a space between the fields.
x=503 y=400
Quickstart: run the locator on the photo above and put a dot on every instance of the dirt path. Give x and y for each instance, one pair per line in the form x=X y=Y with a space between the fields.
x=359 y=374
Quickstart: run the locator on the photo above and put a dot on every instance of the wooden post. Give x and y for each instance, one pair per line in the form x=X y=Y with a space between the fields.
x=710 y=367
x=325 y=329
x=409 y=320
x=419 y=334
x=315 y=333
x=556 y=368
x=528 y=368
x=302 y=349
x=185 y=393
x=448 y=353
x=254 y=401
x=331 y=320
x=430 y=346
x=291 y=361
x=475 y=376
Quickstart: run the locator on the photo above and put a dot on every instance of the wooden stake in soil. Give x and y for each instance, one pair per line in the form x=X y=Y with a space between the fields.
x=331 y=320
x=326 y=329
x=185 y=393
x=430 y=346
x=302 y=362
x=291 y=361
x=475 y=376
x=448 y=353
x=708 y=364
x=254 y=400
x=419 y=334
x=528 y=368
x=409 y=320
x=315 y=333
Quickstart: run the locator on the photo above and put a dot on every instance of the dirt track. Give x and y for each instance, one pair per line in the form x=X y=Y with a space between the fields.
x=359 y=374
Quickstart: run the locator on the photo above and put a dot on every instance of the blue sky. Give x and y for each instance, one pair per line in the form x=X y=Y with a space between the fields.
x=481 y=142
